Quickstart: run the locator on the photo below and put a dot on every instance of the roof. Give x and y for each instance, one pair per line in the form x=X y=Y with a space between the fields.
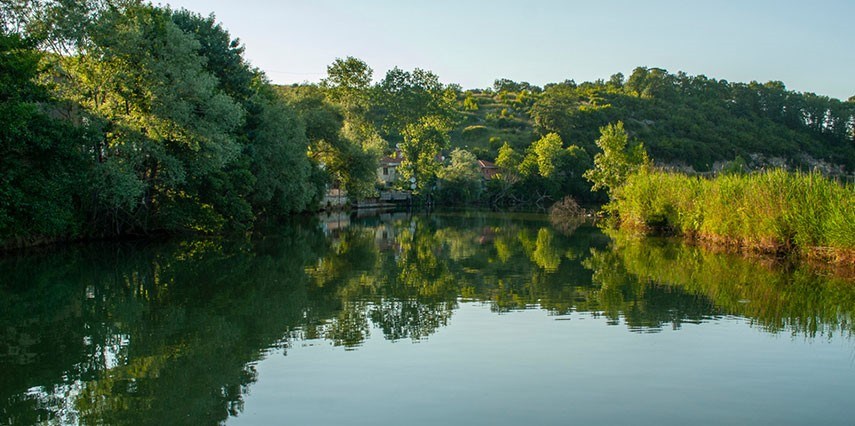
x=389 y=161
x=488 y=169
x=484 y=164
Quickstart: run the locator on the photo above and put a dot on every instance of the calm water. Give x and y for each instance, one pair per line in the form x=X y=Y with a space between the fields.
x=468 y=318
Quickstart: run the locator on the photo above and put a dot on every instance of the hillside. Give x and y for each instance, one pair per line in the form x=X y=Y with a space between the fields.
x=489 y=120
x=694 y=123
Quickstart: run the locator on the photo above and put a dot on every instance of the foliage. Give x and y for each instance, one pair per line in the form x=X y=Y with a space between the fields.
x=347 y=157
x=277 y=154
x=159 y=125
x=548 y=171
x=773 y=210
x=617 y=159
x=121 y=117
x=470 y=104
x=43 y=174
x=697 y=121
x=508 y=159
x=348 y=84
x=422 y=145
x=544 y=154
x=460 y=179
x=405 y=98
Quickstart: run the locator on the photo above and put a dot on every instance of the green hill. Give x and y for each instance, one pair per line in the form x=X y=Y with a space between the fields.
x=497 y=119
x=694 y=123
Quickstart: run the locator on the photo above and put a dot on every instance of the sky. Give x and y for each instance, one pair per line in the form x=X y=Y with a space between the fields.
x=810 y=46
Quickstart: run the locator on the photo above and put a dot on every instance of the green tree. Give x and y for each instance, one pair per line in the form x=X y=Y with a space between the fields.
x=272 y=175
x=405 y=98
x=423 y=142
x=167 y=125
x=345 y=161
x=460 y=179
x=348 y=83
x=348 y=87
x=469 y=103
x=43 y=173
x=617 y=159
x=284 y=177
x=509 y=162
x=546 y=152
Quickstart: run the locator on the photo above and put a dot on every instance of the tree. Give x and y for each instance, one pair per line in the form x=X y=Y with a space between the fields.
x=344 y=159
x=356 y=148
x=617 y=161
x=405 y=98
x=616 y=80
x=284 y=177
x=348 y=84
x=546 y=151
x=469 y=103
x=509 y=162
x=422 y=145
x=272 y=175
x=43 y=171
x=223 y=55
x=166 y=124
x=460 y=179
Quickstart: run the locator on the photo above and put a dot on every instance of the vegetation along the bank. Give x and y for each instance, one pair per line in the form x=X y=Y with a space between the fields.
x=119 y=117
x=771 y=211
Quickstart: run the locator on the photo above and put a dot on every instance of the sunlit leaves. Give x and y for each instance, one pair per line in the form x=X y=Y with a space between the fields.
x=617 y=161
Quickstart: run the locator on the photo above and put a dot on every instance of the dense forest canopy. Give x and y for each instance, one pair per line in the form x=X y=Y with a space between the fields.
x=120 y=117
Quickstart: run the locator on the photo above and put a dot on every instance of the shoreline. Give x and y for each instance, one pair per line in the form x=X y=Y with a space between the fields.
x=836 y=261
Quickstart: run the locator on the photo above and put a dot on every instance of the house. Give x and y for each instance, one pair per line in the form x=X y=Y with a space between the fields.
x=488 y=169
x=387 y=168
x=334 y=197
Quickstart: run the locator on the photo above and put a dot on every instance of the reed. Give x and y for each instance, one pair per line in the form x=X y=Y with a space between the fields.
x=772 y=211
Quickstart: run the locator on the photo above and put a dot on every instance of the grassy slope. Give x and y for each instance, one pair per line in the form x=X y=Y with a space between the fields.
x=698 y=133
x=484 y=131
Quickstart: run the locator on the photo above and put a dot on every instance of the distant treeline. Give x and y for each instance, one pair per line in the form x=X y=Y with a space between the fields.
x=119 y=117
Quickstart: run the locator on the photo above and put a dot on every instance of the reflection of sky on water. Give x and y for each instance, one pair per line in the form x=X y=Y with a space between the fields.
x=529 y=367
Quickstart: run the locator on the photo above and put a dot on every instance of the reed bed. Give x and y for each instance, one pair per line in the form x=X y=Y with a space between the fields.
x=771 y=211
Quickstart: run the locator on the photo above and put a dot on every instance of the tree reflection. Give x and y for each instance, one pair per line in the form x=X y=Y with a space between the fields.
x=170 y=332
x=775 y=297
x=148 y=335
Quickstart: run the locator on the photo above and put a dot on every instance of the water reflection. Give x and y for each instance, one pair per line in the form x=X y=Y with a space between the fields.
x=169 y=333
x=774 y=297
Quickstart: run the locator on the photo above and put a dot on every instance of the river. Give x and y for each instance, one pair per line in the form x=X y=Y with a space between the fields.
x=443 y=318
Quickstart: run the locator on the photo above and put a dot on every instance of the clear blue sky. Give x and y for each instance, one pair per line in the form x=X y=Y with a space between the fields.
x=810 y=46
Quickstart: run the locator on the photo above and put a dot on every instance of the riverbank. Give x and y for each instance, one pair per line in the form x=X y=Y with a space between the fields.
x=774 y=212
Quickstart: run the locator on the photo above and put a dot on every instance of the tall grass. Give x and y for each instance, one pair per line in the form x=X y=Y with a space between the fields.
x=770 y=211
